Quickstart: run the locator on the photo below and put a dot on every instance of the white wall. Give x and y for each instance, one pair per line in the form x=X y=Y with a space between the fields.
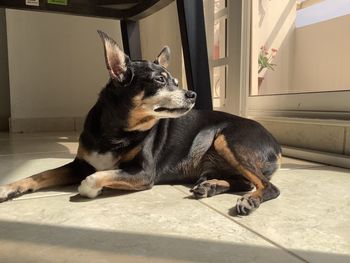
x=322 y=56
x=56 y=63
x=158 y=30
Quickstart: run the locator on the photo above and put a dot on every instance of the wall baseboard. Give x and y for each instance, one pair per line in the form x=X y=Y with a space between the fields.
x=323 y=135
x=28 y=125
x=317 y=156
x=4 y=123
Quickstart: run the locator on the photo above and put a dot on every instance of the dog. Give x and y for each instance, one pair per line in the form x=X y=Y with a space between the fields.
x=143 y=131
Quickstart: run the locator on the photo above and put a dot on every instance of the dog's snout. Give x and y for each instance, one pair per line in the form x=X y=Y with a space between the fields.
x=190 y=94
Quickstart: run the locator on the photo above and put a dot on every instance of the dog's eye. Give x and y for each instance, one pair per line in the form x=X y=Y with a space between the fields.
x=160 y=79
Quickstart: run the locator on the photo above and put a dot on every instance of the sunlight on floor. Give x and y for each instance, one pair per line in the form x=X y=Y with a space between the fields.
x=309 y=222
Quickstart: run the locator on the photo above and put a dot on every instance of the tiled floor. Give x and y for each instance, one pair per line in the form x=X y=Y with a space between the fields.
x=309 y=222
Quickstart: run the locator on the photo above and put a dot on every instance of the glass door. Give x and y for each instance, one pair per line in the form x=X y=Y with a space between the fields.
x=300 y=59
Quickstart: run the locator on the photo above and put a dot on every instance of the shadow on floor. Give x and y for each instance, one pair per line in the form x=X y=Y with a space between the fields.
x=293 y=166
x=20 y=234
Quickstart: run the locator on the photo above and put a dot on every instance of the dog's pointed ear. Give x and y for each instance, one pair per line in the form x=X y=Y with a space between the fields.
x=163 y=58
x=116 y=60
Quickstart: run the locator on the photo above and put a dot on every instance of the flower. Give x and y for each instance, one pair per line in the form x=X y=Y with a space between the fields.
x=266 y=57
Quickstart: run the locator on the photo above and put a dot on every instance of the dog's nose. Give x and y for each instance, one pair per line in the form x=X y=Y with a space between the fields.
x=190 y=94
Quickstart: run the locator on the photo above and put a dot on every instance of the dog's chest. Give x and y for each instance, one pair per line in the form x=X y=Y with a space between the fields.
x=102 y=162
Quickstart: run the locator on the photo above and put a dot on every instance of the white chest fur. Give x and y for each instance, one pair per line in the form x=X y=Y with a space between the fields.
x=101 y=162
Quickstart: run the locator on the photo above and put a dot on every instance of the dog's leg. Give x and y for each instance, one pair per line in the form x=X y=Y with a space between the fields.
x=116 y=179
x=67 y=174
x=250 y=170
x=208 y=188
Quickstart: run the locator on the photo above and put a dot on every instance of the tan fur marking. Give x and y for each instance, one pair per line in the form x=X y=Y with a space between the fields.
x=120 y=185
x=131 y=154
x=220 y=183
x=82 y=152
x=165 y=74
x=108 y=179
x=58 y=176
x=222 y=148
x=139 y=117
x=252 y=178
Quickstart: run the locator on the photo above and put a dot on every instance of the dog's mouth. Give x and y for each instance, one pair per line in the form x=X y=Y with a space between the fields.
x=173 y=110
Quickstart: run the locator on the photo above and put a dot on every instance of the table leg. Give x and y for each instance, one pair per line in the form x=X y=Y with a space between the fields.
x=131 y=38
x=192 y=27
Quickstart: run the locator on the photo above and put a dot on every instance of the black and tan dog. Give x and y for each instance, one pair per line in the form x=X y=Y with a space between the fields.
x=142 y=132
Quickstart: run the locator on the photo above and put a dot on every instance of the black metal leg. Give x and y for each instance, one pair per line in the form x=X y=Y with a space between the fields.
x=5 y=108
x=131 y=38
x=192 y=27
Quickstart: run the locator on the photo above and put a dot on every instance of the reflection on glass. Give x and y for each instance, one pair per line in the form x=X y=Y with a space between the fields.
x=219 y=48
x=312 y=39
x=219 y=86
x=219 y=5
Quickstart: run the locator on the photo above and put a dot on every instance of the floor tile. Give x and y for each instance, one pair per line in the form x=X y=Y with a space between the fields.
x=158 y=225
x=310 y=218
x=37 y=143
x=16 y=167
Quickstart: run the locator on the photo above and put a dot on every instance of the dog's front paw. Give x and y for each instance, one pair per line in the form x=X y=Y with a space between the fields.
x=88 y=187
x=6 y=193
x=247 y=204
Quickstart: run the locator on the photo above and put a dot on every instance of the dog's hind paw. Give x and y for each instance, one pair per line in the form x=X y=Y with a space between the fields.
x=88 y=187
x=247 y=204
x=204 y=189
x=210 y=188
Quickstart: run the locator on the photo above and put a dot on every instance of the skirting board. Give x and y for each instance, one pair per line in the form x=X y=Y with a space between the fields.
x=330 y=136
x=4 y=123
x=317 y=156
x=28 y=125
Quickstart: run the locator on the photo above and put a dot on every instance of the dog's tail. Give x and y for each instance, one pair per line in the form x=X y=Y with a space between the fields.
x=70 y=173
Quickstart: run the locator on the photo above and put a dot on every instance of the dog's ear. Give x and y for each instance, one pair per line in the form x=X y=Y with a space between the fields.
x=116 y=60
x=163 y=58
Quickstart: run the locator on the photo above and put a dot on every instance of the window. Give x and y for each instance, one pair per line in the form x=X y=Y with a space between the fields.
x=216 y=27
x=311 y=72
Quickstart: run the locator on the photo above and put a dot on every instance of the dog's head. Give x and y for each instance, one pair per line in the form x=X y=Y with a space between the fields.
x=156 y=94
